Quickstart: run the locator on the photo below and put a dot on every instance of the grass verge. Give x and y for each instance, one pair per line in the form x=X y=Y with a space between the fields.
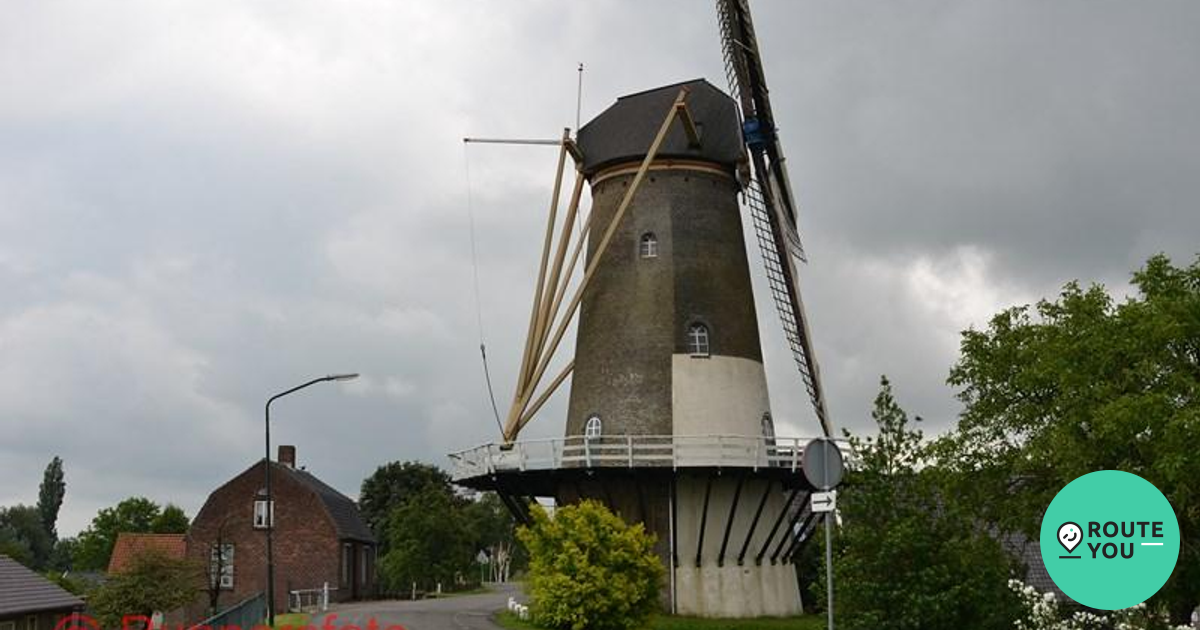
x=294 y=621
x=510 y=621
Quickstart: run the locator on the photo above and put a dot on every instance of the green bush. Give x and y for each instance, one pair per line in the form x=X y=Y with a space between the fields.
x=155 y=583
x=589 y=570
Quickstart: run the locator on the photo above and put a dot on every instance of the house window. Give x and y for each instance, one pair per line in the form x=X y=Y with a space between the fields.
x=220 y=566
x=347 y=557
x=697 y=340
x=31 y=622
x=768 y=427
x=648 y=248
x=264 y=517
x=593 y=428
x=366 y=561
x=8 y=625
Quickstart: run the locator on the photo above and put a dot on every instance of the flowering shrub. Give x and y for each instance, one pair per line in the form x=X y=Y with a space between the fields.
x=1042 y=612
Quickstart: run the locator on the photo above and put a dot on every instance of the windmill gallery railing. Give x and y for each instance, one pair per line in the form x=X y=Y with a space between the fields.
x=632 y=451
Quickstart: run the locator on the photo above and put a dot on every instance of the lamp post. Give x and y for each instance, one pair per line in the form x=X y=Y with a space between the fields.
x=270 y=512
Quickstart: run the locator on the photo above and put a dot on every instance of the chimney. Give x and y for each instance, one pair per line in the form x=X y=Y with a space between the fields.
x=287 y=455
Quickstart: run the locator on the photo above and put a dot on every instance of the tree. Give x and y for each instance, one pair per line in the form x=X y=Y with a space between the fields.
x=172 y=520
x=393 y=484
x=95 y=544
x=63 y=555
x=1081 y=384
x=428 y=543
x=589 y=570
x=13 y=547
x=494 y=531
x=50 y=496
x=22 y=534
x=908 y=556
x=217 y=566
x=154 y=583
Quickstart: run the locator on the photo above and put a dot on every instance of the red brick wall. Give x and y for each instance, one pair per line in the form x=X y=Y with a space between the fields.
x=306 y=549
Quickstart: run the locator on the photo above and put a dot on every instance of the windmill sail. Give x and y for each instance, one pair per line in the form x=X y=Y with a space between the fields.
x=768 y=195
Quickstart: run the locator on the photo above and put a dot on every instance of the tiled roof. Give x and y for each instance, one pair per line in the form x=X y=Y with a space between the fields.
x=342 y=509
x=23 y=591
x=129 y=546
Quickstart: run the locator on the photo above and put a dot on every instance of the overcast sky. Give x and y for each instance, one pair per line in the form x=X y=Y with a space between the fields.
x=204 y=203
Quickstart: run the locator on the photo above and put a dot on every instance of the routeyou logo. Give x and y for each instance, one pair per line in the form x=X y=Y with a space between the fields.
x=1110 y=540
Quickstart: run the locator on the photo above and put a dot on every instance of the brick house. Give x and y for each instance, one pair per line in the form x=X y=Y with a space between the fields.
x=319 y=537
x=29 y=601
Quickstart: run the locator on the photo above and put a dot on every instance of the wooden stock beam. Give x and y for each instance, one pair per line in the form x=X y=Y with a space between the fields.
x=527 y=359
x=549 y=303
x=541 y=400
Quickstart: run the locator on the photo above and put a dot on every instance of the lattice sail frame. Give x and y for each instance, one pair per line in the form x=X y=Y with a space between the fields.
x=768 y=196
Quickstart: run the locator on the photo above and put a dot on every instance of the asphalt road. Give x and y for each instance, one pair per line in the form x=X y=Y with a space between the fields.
x=463 y=612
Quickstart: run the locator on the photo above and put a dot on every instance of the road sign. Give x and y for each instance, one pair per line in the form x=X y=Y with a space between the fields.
x=483 y=558
x=823 y=464
x=824 y=502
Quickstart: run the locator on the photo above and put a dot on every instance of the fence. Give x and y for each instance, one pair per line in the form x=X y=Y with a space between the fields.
x=247 y=613
x=632 y=451
x=310 y=600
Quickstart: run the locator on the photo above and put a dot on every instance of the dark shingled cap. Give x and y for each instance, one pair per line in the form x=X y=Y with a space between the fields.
x=624 y=131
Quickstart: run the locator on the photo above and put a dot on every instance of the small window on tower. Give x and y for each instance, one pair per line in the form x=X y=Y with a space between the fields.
x=768 y=427
x=649 y=246
x=697 y=340
x=593 y=428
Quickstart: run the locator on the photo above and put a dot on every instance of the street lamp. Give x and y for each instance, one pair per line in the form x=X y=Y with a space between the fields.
x=270 y=512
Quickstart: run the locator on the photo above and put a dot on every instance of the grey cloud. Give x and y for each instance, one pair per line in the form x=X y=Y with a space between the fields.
x=203 y=204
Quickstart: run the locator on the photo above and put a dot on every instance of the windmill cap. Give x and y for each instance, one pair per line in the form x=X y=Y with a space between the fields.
x=624 y=131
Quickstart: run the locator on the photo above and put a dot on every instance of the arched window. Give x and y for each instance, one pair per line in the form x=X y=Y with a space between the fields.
x=593 y=428
x=649 y=246
x=697 y=340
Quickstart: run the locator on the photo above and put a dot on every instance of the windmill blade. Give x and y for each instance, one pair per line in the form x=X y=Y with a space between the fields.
x=748 y=86
x=768 y=195
x=785 y=292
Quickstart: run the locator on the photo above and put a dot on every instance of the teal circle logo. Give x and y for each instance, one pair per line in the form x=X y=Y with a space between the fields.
x=1110 y=540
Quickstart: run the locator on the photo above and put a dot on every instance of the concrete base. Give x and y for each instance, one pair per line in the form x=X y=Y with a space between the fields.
x=759 y=587
x=733 y=591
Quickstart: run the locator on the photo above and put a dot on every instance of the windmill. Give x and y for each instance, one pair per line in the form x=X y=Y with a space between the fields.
x=668 y=419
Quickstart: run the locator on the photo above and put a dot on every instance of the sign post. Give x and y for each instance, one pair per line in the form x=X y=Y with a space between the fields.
x=483 y=559
x=823 y=467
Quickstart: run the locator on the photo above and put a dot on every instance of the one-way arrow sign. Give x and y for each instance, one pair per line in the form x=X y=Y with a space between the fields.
x=824 y=502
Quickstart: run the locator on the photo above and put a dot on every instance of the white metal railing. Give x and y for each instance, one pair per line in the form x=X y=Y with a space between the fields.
x=633 y=451
x=310 y=600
